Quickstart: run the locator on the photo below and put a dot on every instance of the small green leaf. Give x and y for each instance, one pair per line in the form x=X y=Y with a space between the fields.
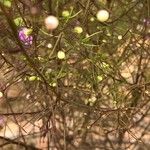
x=63 y=74
x=18 y=21
x=6 y=3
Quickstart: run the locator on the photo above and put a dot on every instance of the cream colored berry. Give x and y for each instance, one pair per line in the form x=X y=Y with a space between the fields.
x=61 y=55
x=102 y=15
x=51 y=22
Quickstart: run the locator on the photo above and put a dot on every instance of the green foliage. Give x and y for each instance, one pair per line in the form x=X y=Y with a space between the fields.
x=18 y=21
x=6 y=3
x=86 y=78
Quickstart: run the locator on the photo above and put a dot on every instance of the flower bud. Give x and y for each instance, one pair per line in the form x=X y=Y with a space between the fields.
x=61 y=55
x=102 y=15
x=65 y=13
x=78 y=30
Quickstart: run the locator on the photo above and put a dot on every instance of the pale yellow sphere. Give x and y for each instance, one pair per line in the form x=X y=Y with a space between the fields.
x=99 y=78
x=78 y=29
x=61 y=55
x=102 y=15
x=51 y=22
x=49 y=45
x=65 y=13
x=32 y=78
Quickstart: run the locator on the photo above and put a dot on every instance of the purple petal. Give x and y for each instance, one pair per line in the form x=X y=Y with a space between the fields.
x=27 y=40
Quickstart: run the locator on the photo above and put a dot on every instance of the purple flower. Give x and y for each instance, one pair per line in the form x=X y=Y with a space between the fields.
x=25 y=36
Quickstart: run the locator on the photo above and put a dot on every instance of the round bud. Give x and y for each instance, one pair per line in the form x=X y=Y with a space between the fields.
x=92 y=19
x=61 y=55
x=32 y=78
x=49 y=45
x=51 y=22
x=119 y=37
x=78 y=29
x=102 y=15
x=54 y=84
x=65 y=13
x=99 y=78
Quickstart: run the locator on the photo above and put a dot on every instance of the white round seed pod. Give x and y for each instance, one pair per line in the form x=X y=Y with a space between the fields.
x=51 y=22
